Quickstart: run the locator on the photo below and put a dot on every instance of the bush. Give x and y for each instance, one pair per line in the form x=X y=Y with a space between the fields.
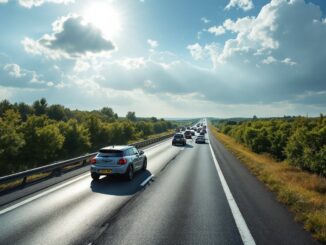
x=300 y=141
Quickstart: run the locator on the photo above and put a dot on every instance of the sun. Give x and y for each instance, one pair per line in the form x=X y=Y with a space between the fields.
x=104 y=17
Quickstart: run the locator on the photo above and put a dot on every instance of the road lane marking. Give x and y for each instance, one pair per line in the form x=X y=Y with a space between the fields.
x=28 y=200
x=147 y=180
x=244 y=231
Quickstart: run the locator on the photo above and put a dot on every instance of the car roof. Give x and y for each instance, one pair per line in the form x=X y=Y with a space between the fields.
x=117 y=147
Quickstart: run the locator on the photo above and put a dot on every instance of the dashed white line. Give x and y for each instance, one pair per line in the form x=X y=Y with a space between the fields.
x=146 y=180
x=244 y=231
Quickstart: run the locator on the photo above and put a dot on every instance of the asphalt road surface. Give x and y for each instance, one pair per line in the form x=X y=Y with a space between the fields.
x=191 y=199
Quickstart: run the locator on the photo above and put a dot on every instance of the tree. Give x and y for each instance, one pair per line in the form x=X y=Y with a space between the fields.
x=11 y=141
x=77 y=138
x=131 y=116
x=57 y=112
x=40 y=106
x=49 y=142
x=25 y=110
x=108 y=112
x=4 y=105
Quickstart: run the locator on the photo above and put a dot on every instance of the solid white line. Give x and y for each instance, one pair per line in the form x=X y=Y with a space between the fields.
x=244 y=231
x=146 y=180
x=41 y=194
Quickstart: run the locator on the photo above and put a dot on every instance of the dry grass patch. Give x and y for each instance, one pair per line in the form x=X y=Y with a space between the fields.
x=302 y=192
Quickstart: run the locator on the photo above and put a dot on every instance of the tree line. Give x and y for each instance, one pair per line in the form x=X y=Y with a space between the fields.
x=301 y=141
x=37 y=134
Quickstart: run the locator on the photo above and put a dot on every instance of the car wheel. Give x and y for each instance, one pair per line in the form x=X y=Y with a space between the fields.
x=95 y=176
x=130 y=173
x=144 y=164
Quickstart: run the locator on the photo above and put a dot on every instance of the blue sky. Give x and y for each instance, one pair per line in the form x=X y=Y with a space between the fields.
x=167 y=58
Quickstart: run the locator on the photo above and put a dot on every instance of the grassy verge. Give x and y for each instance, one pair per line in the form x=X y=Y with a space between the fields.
x=303 y=193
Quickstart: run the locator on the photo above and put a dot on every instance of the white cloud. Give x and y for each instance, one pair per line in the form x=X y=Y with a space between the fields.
x=269 y=60
x=37 y=3
x=152 y=43
x=205 y=20
x=196 y=51
x=13 y=70
x=243 y=4
x=3 y=1
x=12 y=75
x=72 y=37
x=288 y=61
x=216 y=30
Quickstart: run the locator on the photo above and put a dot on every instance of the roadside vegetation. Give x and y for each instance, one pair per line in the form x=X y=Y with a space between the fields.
x=300 y=141
x=37 y=134
x=277 y=151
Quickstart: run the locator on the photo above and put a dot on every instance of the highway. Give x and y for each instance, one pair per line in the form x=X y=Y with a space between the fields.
x=197 y=194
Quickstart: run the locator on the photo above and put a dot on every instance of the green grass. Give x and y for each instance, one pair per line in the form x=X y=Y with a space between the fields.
x=303 y=193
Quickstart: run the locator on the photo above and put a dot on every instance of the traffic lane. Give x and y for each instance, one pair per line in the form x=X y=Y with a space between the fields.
x=185 y=205
x=78 y=210
x=269 y=221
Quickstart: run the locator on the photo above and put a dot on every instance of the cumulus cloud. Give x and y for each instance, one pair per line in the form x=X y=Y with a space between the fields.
x=12 y=75
x=196 y=51
x=37 y=3
x=276 y=56
x=269 y=60
x=72 y=37
x=216 y=30
x=243 y=4
x=13 y=70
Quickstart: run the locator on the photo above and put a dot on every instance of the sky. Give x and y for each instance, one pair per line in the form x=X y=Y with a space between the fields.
x=168 y=58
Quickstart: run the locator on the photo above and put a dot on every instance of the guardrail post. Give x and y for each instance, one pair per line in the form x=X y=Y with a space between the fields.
x=23 y=184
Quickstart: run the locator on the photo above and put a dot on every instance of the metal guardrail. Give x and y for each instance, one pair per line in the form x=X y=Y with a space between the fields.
x=56 y=169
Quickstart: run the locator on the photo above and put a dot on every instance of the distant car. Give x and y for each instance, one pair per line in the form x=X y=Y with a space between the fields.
x=188 y=128
x=204 y=130
x=202 y=133
x=118 y=160
x=179 y=139
x=198 y=130
x=192 y=133
x=188 y=134
x=183 y=128
x=200 y=139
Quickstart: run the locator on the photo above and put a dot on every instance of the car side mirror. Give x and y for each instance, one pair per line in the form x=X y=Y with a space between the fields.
x=141 y=152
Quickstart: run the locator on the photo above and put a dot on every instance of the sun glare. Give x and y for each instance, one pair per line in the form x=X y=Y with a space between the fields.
x=104 y=17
